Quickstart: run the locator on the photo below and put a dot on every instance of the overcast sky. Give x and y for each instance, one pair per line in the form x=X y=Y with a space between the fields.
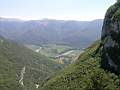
x=81 y=10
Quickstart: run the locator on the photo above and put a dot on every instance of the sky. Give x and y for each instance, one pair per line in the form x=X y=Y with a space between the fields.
x=82 y=10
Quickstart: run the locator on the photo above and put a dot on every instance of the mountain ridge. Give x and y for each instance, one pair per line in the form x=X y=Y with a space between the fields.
x=52 y=31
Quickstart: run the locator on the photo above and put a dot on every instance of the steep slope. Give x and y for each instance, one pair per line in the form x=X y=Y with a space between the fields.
x=21 y=68
x=111 y=39
x=85 y=74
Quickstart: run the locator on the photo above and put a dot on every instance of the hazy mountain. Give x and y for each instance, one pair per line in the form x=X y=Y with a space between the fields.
x=74 y=33
x=21 y=68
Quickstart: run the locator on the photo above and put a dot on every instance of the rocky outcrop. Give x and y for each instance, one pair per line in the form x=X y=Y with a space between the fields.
x=111 y=39
x=22 y=76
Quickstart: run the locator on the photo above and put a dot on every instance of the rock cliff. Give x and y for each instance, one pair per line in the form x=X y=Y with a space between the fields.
x=111 y=39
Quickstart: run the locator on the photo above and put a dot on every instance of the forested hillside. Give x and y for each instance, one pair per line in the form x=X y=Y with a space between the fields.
x=21 y=68
x=98 y=68
x=85 y=74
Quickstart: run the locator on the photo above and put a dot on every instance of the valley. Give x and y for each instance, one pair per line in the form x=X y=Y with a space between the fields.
x=31 y=52
x=60 y=53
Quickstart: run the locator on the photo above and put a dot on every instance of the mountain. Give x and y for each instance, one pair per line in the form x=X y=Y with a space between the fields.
x=98 y=68
x=74 y=33
x=21 y=68
x=10 y=19
x=85 y=74
x=111 y=39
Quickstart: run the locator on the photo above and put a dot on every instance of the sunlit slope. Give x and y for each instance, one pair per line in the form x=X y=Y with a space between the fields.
x=85 y=74
x=13 y=58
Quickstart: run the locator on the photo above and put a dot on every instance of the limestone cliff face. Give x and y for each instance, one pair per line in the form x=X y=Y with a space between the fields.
x=111 y=39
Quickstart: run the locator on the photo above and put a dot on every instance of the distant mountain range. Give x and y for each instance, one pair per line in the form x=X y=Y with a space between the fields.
x=74 y=33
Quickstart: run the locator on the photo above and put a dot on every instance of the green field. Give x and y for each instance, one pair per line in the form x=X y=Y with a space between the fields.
x=58 y=52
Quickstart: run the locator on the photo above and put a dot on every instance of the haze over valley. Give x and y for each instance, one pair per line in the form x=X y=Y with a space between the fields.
x=53 y=38
x=73 y=33
x=77 y=47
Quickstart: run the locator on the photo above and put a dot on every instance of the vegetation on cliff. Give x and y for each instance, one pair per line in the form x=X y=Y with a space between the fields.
x=111 y=39
x=85 y=74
